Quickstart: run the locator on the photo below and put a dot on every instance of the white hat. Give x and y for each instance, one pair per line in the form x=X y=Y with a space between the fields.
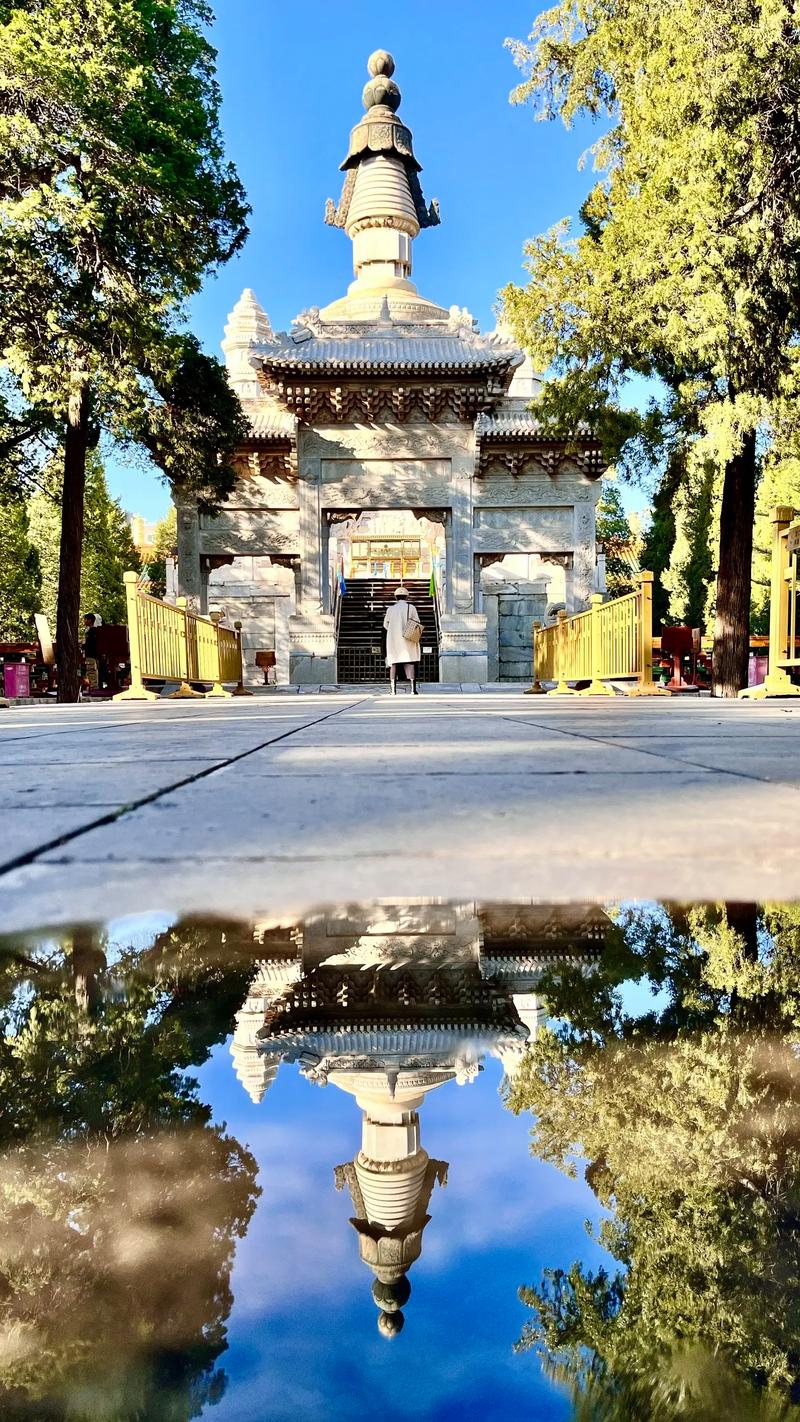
x=401 y=592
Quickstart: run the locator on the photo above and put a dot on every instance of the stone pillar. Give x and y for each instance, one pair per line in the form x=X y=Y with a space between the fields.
x=462 y=647
x=191 y=583
x=310 y=535
x=448 y=561
x=324 y=560
x=491 y=599
x=312 y=642
x=477 y=595
x=461 y=575
x=585 y=554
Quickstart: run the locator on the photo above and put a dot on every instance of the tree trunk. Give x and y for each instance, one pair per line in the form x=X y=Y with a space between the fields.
x=68 y=654
x=743 y=919
x=87 y=961
x=732 y=624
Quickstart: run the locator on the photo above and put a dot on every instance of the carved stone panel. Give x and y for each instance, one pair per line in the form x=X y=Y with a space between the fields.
x=501 y=490
x=384 y=441
x=251 y=531
x=522 y=530
x=385 y=483
x=257 y=491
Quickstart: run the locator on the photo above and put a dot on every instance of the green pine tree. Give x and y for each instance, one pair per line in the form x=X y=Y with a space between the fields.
x=659 y=538
x=115 y=201
x=688 y=267
x=109 y=550
x=689 y=576
x=682 y=1116
x=20 y=573
x=165 y=546
x=616 y=540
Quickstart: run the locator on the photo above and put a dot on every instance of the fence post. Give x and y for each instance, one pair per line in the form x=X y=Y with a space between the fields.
x=184 y=690
x=597 y=686
x=240 y=689
x=217 y=689
x=560 y=658
x=536 y=689
x=137 y=691
x=645 y=686
x=777 y=682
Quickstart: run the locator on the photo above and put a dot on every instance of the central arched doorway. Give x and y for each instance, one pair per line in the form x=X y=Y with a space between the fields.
x=372 y=553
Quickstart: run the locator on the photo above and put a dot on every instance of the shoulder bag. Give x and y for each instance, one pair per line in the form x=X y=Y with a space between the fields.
x=412 y=632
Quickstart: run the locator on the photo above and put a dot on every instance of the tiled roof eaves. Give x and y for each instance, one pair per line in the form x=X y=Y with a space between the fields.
x=513 y=433
x=272 y=437
x=388 y=367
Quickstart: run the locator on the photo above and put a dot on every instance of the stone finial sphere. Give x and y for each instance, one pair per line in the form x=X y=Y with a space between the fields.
x=381 y=62
x=381 y=90
x=390 y=1324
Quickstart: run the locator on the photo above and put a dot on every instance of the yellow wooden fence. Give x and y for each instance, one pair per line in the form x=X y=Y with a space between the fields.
x=168 y=643
x=612 y=641
x=783 y=598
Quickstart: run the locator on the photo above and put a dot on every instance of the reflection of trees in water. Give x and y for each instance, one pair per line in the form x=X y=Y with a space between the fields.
x=120 y=1201
x=689 y=1119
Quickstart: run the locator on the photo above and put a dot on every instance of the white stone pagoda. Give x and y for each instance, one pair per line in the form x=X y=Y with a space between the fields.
x=385 y=401
x=389 y=1002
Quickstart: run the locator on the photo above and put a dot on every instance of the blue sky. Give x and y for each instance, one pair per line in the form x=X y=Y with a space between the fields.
x=291 y=78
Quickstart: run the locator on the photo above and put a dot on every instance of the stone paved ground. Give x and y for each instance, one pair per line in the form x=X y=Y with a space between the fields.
x=272 y=804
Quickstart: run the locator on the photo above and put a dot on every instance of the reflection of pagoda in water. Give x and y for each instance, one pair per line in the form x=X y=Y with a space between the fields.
x=389 y=1002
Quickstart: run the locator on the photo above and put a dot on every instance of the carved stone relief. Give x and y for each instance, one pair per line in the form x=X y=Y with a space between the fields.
x=253 y=532
x=498 y=490
x=392 y=442
x=531 y=530
x=255 y=491
x=385 y=483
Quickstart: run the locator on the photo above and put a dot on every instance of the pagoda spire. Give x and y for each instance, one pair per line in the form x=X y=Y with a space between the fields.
x=381 y=207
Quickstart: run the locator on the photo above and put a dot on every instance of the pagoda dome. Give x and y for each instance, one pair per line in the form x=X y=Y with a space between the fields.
x=381 y=191
x=391 y=1190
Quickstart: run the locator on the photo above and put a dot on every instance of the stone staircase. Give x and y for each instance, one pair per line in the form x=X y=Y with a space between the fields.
x=361 y=651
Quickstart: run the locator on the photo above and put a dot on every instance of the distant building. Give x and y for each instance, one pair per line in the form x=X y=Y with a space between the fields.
x=143 y=534
x=386 y=407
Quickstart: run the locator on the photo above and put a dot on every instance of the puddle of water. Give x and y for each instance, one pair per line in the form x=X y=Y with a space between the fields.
x=554 y=1169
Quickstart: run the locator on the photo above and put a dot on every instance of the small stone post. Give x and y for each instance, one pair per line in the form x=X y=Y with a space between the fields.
x=560 y=659
x=240 y=689
x=217 y=689
x=536 y=689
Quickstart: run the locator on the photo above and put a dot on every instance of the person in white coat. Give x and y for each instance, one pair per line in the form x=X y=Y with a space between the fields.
x=399 y=651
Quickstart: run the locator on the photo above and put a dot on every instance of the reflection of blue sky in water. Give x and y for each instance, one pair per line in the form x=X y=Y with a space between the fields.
x=303 y=1340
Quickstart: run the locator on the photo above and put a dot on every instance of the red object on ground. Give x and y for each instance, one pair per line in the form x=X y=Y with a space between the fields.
x=17 y=678
x=677 y=643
